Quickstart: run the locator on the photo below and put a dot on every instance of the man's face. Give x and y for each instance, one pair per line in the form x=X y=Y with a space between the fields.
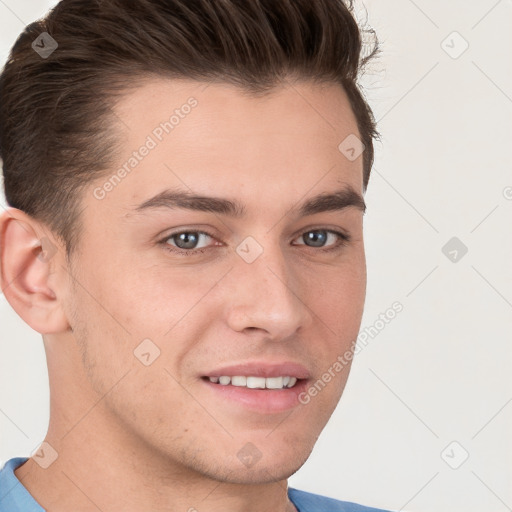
x=158 y=307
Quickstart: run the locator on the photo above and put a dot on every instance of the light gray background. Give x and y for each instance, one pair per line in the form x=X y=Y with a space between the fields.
x=439 y=372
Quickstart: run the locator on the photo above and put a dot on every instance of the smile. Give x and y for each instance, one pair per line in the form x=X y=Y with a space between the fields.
x=254 y=382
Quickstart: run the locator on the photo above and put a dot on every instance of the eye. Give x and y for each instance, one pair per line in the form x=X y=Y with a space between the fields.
x=187 y=241
x=318 y=238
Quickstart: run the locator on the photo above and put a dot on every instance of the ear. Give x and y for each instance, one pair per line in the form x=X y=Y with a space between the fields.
x=29 y=259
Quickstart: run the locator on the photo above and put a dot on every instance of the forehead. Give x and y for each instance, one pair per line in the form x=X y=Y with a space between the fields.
x=223 y=106
x=217 y=137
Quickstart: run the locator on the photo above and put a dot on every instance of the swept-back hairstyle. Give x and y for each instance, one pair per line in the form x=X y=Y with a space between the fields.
x=56 y=120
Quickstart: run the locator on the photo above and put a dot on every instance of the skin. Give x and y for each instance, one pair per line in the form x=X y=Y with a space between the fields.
x=133 y=437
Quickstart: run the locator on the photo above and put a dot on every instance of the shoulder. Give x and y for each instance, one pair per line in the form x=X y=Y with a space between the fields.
x=14 y=497
x=309 y=502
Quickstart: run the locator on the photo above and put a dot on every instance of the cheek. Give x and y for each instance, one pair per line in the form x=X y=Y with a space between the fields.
x=144 y=302
x=338 y=307
x=130 y=313
x=337 y=295
x=161 y=296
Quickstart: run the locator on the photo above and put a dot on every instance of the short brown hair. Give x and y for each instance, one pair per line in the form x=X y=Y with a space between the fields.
x=56 y=122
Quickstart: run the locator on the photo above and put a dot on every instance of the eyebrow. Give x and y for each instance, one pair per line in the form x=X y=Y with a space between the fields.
x=183 y=199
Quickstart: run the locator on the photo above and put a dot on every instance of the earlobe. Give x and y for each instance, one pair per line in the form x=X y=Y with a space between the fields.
x=27 y=257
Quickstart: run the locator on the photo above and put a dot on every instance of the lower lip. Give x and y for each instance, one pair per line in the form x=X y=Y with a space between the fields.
x=260 y=400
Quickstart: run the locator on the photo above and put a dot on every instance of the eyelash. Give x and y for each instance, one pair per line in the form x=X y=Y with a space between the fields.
x=343 y=240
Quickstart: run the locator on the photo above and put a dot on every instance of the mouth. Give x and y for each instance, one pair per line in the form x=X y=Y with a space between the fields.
x=236 y=398
x=260 y=387
x=255 y=382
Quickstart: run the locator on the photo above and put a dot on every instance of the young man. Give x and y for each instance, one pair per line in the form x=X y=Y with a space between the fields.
x=185 y=182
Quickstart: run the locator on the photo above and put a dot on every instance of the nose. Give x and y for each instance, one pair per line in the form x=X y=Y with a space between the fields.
x=267 y=295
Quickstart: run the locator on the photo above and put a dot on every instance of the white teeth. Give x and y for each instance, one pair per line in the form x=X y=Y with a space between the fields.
x=256 y=382
x=274 y=382
x=239 y=380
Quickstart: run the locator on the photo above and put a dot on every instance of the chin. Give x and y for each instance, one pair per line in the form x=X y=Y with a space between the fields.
x=248 y=465
x=270 y=465
x=260 y=473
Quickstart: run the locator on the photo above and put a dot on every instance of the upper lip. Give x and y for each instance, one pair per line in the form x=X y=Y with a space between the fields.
x=262 y=369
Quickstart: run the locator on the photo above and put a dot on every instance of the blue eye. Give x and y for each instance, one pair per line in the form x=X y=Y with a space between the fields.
x=318 y=238
x=187 y=239
x=185 y=243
